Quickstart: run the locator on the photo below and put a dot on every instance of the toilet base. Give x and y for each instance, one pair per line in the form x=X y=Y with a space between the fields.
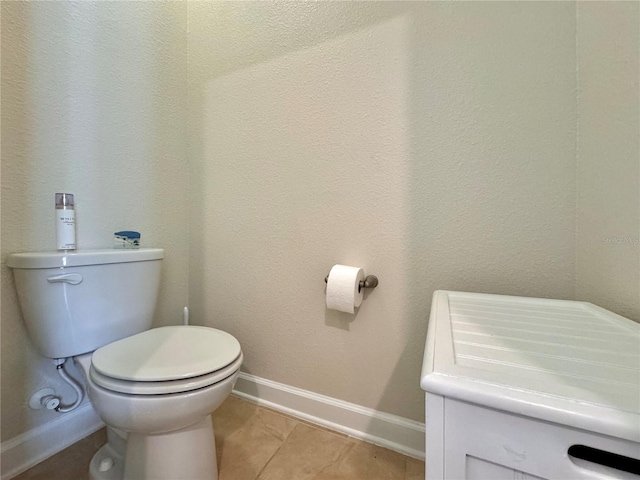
x=106 y=464
x=189 y=453
x=108 y=461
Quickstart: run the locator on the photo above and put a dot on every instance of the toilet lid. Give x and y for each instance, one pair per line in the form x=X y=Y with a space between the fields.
x=167 y=353
x=166 y=386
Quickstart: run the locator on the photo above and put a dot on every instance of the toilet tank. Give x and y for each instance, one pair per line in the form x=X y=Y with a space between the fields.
x=76 y=302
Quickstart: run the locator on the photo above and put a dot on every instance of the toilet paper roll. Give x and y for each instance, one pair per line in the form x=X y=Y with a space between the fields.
x=342 y=288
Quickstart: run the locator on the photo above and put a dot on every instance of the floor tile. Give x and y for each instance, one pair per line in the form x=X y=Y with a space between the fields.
x=247 y=437
x=71 y=463
x=306 y=452
x=366 y=461
x=415 y=470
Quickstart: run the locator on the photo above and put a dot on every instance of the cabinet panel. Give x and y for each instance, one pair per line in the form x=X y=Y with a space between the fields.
x=523 y=445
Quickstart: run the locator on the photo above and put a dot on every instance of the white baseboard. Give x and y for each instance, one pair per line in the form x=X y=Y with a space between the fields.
x=389 y=431
x=32 y=447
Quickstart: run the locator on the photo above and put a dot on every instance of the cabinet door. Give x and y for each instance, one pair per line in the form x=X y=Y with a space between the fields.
x=486 y=444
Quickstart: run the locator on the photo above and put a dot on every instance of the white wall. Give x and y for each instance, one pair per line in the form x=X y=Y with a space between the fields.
x=608 y=221
x=93 y=103
x=431 y=143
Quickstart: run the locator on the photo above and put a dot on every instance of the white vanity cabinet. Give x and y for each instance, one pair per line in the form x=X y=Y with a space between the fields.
x=525 y=388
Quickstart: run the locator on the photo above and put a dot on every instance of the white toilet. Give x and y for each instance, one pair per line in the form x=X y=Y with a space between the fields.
x=158 y=385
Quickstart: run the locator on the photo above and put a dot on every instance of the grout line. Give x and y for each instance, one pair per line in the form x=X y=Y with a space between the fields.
x=274 y=453
x=301 y=420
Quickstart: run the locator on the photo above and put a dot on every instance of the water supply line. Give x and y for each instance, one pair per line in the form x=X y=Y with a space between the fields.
x=74 y=384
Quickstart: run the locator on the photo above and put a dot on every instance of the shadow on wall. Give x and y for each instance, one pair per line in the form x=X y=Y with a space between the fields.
x=300 y=162
x=231 y=36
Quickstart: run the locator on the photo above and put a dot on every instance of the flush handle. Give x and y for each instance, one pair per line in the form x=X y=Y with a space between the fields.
x=72 y=278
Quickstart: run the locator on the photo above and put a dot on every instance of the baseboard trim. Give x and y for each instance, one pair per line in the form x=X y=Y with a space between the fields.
x=20 y=453
x=389 y=431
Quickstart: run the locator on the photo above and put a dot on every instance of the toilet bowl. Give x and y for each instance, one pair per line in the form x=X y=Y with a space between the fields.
x=162 y=394
x=155 y=388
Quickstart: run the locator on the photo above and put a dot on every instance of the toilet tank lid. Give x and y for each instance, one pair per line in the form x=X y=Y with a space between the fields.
x=79 y=258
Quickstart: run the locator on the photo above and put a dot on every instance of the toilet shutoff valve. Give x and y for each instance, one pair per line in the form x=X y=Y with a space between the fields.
x=44 y=398
x=50 y=402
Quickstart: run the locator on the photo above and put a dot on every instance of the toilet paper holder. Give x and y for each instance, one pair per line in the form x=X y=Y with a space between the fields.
x=370 y=281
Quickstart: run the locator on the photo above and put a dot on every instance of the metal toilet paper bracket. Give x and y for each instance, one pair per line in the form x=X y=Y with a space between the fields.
x=370 y=281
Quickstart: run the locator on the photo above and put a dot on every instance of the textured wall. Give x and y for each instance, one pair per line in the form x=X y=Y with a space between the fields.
x=93 y=103
x=608 y=221
x=431 y=143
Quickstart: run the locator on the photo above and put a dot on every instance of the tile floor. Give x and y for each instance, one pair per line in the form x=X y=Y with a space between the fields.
x=255 y=443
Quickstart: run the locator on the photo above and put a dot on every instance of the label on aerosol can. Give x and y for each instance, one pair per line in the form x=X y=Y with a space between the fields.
x=65 y=222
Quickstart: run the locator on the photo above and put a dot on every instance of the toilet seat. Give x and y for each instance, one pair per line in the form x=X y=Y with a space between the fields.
x=166 y=360
x=164 y=387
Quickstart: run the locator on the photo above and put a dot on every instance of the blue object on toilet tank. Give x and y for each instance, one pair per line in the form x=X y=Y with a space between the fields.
x=126 y=239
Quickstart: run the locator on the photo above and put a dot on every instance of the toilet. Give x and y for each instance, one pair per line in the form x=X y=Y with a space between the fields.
x=154 y=388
